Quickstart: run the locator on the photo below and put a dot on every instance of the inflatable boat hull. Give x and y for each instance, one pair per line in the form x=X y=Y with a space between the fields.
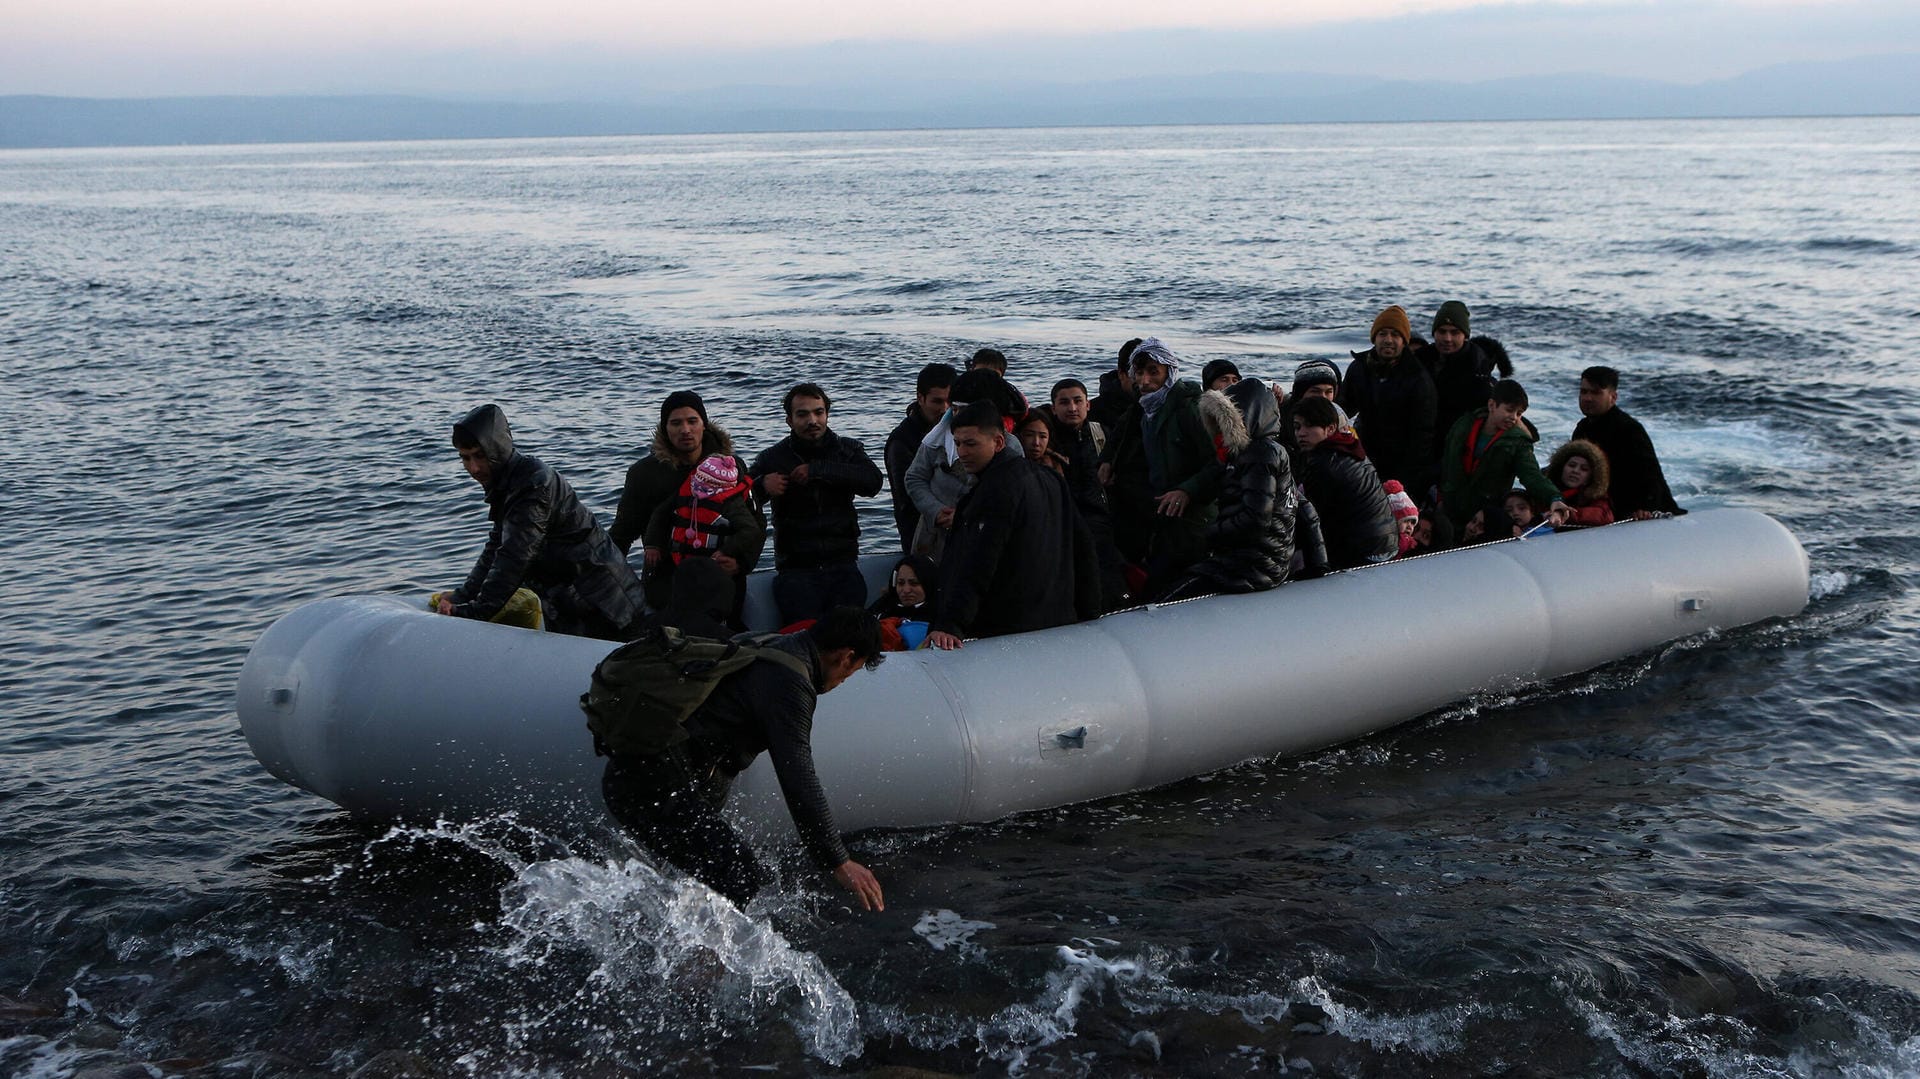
x=388 y=710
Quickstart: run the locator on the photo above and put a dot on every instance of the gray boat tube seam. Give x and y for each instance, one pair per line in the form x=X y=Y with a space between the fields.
x=391 y=711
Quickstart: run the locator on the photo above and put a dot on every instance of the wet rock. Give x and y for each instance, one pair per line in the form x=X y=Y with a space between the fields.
x=21 y=1011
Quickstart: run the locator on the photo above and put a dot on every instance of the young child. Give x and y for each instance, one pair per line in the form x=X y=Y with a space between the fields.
x=1406 y=515
x=1580 y=470
x=1523 y=515
x=711 y=508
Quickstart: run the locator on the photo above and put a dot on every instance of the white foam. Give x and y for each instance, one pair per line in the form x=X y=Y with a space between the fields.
x=1831 y=583
x=943 y=929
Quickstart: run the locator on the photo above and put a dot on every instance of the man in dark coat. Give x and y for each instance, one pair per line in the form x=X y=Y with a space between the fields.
x=1020 y=559
x=1392 y=401
x=1639 y=489
x=1080 y=439
x=811 y=478
x=671 y=801
x=542 y=539
x=683 y=438
x=930 y=393
x=1463 y=367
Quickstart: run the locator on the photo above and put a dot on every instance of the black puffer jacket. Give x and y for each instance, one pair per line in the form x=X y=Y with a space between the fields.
x=542 y=539
x=768 y=708
x=1250 y=544
x=1393 y=413
x=1355 y=519
x=1462 y=382
x=815 y=523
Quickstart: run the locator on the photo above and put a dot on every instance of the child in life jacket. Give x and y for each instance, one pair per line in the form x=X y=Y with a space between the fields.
x=1406 y=515
x=712 y=515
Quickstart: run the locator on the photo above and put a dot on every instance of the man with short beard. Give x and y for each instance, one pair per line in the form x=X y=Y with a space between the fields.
x=811 y=478
x=683 y=438
x=1393 y=403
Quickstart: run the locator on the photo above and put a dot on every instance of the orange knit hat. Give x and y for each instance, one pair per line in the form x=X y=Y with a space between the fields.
x=1393 y=318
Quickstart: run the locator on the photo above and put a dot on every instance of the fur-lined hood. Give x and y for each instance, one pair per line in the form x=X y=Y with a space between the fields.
x=1245 y=411
x=1580 y=447
x=714 y=441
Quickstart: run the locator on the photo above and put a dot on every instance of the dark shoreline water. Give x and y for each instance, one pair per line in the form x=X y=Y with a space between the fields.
x=230 y=370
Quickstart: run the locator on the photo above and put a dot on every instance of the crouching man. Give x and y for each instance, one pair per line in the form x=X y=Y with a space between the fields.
x=543 y=539
x=670 y=801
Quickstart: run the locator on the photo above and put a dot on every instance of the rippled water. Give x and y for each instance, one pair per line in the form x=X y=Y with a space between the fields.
x=228 y=377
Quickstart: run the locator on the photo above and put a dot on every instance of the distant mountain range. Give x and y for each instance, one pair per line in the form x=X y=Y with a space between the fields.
x=1880 y=85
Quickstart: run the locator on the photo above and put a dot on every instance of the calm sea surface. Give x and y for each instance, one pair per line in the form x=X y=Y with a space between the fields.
x=227 y=380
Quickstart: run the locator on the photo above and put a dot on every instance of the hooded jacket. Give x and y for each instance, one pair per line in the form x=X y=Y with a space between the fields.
x=1507 y=459
x=542 y=539
x=1393 y=412
x=1355 y=520
x=1250 y=543
x=1114 y=400
x=815 y=524
x=1591 y=507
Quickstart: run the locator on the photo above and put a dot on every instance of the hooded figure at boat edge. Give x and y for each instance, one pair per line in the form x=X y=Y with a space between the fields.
x=542 y=539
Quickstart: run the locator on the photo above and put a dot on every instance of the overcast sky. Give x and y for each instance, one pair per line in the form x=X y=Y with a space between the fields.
x=617 y=49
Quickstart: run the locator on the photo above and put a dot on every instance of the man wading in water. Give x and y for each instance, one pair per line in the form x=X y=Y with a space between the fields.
x=670 y=801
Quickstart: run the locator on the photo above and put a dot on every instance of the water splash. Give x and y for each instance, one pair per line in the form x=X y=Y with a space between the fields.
x=647 y=929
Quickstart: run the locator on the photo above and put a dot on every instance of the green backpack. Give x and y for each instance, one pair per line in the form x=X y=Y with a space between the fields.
x=644 y=692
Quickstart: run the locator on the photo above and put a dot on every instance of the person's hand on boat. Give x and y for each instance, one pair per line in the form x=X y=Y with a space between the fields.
x=946 y=642
x=945 y=518
x=1559 y=513
x=445 y=606
x=774 y=483
x=855 y=878
x=1173 y=504
x=650 y=556
x=799 y=476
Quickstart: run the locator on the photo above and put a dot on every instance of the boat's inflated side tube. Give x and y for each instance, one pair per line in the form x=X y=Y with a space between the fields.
x=389 y=710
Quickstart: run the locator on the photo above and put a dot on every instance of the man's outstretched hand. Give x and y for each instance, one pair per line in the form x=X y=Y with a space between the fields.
x=855 y=878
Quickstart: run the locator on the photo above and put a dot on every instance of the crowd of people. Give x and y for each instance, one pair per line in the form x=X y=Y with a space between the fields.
x=1012 y=516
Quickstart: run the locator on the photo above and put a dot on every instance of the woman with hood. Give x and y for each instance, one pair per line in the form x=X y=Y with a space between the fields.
x=1354 y=515
x=1250 y=542
x=1580 y=470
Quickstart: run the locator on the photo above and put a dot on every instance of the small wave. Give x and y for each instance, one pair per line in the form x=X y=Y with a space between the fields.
x=915 y=288
x=1862 y=244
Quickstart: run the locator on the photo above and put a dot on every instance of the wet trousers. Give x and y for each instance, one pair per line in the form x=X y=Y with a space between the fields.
x=670 y=803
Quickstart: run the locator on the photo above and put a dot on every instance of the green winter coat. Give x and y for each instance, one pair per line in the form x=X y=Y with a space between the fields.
x=1509 y=459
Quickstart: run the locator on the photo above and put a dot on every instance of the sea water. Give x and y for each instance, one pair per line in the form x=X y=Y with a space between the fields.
x=229 y=374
